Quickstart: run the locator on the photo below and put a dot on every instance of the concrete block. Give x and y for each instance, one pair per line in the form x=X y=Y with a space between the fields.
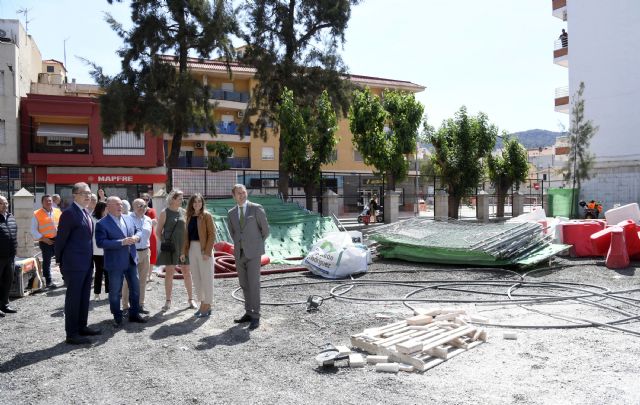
x=388 y=367
x=356 y=360
x=377 y=359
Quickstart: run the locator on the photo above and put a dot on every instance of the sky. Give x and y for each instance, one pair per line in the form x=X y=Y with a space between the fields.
x=494 y=56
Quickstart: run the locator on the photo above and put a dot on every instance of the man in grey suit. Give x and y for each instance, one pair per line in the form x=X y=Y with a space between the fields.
x=249 y=229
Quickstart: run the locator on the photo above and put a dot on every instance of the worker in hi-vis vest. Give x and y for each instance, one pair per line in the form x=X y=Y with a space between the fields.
x=44 y=228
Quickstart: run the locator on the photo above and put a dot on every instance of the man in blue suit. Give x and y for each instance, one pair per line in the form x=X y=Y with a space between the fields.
x=117 y=234
x=74 y=254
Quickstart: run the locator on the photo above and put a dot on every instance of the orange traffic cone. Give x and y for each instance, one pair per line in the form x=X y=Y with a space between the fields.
x=617 y=257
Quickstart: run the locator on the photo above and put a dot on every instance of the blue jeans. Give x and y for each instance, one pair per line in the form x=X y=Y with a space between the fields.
x=116 y=276
x=48 y=251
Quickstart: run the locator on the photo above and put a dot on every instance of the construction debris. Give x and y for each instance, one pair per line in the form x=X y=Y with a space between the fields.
x=420 y=342
x=466 y=243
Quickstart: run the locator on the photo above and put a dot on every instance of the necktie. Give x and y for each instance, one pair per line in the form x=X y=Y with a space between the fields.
x=242 y=217
x=87 y=218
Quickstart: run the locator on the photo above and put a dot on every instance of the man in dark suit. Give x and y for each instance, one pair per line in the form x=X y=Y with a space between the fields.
x=74 y=253
x=249 y=229
x=117 y=234
x=8 y=246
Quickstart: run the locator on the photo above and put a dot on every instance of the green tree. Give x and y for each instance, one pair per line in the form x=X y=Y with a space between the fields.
x=459 y=147
x=581 y=131
x=309 y=132
x=218 y=154
x=158 y=93
x=294 y=44
x=507 y=170
x=385 y=132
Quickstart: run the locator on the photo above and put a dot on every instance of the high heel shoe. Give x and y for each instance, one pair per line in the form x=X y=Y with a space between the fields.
x=192 y=304
x=204 y=314
x=166 y=305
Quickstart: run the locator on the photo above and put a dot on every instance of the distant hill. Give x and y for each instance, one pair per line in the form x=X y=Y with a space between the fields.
x=533 y=138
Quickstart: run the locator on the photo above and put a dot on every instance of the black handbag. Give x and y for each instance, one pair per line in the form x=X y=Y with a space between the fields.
x=167 y=245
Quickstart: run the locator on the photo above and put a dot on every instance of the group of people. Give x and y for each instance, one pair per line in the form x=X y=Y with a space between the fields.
x=96 y=232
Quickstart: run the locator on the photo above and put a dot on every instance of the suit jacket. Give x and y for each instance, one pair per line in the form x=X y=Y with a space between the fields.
x=255 y=231
x=74 y=246
x=109 y=237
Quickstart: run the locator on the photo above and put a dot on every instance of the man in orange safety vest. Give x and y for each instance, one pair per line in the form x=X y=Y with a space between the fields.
x=44 y=228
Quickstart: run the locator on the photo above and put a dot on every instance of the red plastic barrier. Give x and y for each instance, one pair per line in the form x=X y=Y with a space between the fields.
x=631 y=237
x=601 y=240
x=578 y=234
x=617 y=257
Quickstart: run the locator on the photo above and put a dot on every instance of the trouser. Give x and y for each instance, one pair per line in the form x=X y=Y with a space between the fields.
x=48 y=252
x=249 y=278
x=98 y=262
x=76 y=300
x=7 y=268
x=143 y=272
x=116 y=276
x=201 y=273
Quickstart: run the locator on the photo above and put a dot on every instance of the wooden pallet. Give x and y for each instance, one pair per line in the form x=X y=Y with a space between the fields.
x=421 y=341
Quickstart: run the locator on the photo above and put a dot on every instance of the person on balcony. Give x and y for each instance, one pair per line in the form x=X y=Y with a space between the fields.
x=564 y=38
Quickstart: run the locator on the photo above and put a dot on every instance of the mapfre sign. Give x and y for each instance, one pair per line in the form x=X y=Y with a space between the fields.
x=56 y=178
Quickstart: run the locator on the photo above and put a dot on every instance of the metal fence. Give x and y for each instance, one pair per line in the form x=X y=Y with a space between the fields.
x=354 y=190
x=13 y=178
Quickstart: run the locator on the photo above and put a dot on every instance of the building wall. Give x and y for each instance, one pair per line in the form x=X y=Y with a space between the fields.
x=20 y=62
x=604 y=53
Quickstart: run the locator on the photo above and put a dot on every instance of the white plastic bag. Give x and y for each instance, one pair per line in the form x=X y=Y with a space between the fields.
x=336 y=256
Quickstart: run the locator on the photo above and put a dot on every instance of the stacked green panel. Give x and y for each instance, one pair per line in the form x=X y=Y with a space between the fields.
x=292 y=230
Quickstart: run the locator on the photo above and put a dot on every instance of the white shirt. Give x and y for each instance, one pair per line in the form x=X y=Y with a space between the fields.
x=146 y=225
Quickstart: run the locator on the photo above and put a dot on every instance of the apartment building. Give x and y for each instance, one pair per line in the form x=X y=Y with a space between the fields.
x=63 y=144
x=602 y=51
x=20 y=63
x=231 y=95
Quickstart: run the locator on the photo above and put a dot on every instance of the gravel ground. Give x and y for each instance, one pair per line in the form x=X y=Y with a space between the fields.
x=176 y=358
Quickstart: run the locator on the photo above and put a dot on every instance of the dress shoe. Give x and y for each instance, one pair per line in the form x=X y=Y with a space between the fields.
x=90 y=331
x=204 y=314
x=8 y=310
x=117 y=323
x=244 y=318
x=255 y=323
x=137 y=319
x=78 y=340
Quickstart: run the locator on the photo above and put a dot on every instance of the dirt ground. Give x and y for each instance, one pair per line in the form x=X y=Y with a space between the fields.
x=176 y=358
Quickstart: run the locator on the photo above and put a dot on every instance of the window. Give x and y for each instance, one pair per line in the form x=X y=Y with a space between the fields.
x=357 y=157
x=268 y=153
x=50 y=69
x=227 y=86
x=62 y=130
x=3 y=138
x=124 y=143
x=333 y=157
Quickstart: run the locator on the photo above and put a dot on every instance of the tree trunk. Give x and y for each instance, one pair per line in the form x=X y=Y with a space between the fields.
x=309 y=192
x=283 y=174
x=501 y=196
x=454 y=205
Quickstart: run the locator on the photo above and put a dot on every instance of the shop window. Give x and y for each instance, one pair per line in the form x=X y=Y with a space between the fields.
x=268 y=153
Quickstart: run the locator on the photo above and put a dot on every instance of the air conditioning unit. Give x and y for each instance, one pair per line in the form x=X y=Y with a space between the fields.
x=199 y=145
x=240 y=114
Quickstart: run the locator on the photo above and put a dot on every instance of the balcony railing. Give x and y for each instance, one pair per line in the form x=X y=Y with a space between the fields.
x=237 y=96
x=223 y=128
x=562 y=92
x=42 y=148
x=201 y=161
x=560 y=49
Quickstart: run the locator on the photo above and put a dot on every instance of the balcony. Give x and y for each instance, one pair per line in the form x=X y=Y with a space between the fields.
x=561 y=52
x=222 y=128
x=562 y=100
x=559 y=9
x=235 y=100
x=201 y=162
x=43 y=148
